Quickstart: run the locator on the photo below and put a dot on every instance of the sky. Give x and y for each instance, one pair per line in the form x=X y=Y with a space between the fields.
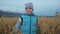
x=41 y=7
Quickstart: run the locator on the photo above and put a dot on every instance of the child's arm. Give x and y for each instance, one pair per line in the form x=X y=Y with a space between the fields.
x=17 y=26
x=19 y=23
x=38 y=24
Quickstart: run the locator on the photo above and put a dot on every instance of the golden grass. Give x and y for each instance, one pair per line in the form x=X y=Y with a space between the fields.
x=47 y=25
x=7 y=24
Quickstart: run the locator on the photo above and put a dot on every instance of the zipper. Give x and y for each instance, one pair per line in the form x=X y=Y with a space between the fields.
x=30 y=25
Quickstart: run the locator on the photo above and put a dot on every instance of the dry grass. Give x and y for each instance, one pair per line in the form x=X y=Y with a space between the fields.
x=7 y=25
x=47 y=25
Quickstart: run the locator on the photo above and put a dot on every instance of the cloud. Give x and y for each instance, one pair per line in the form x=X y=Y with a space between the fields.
x=40 y=6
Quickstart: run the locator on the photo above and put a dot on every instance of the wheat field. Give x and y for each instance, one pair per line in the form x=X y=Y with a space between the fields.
x=47 y=25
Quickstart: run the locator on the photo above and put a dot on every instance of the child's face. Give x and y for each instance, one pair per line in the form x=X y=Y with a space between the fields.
x=28 y=10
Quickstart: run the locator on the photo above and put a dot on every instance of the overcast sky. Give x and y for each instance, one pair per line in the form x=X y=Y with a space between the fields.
x=41 y=7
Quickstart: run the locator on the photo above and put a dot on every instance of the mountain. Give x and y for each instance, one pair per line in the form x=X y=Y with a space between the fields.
x=8 y=13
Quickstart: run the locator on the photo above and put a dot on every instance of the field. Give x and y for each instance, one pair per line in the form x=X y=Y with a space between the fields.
x=7 y=24
x=47 y=25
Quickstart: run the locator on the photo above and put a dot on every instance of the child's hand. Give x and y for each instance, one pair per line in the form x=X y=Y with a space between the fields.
x=37 y=25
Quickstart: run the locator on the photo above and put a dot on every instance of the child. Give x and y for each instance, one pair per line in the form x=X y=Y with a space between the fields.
x=27 y=21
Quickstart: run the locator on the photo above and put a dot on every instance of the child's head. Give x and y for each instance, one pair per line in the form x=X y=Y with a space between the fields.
x=29 y=8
